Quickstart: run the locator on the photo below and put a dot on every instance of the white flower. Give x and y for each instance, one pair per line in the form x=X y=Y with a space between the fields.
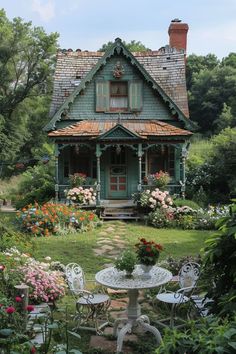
x=48 y=258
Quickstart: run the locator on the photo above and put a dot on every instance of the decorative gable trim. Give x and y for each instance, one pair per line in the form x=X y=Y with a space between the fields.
x=118 y=48
x=118 y=132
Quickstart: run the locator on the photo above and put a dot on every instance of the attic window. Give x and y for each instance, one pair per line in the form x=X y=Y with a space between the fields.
x=119 y=96
x=164 y=68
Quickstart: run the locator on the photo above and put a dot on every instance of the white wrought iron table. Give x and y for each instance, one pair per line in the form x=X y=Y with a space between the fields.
x=114 y=279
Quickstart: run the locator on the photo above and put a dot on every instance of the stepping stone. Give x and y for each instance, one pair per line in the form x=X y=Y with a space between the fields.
x=104 y=241
x=114 y=253
x=117 y=305
x=116 y=292
x=107 y=248
x=98 y=251
x=110 y=229
x=102 y=233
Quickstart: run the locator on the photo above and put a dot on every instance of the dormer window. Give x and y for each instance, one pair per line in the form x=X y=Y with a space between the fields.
x=119 y=96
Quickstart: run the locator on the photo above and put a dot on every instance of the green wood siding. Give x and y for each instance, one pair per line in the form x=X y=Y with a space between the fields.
x=135 y=95
x=85 y=105
x=102 y=96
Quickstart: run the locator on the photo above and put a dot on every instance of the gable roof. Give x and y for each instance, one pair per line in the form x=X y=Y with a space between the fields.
x=118 y=47
x=135 y=128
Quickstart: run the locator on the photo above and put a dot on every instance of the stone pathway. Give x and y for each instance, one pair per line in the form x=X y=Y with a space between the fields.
x=110 y=242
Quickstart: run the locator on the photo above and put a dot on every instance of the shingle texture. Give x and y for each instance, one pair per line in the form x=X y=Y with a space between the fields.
x=92 y=129
x=166 y=66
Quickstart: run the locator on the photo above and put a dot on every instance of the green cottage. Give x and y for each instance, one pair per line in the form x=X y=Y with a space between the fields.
x=119 y=116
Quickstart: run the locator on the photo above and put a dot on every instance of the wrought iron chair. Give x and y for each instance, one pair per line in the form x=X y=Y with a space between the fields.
x=90 y=308
x=187 y=278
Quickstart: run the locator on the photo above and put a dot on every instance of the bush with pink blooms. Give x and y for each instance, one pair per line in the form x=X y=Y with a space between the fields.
x=46 y=282
x=45 y=285
x=81 y=195
x=155 y=199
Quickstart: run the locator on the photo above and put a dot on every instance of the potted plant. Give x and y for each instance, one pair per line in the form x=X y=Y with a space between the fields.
x=148 y=253
x=126 y=262
x=159 y=179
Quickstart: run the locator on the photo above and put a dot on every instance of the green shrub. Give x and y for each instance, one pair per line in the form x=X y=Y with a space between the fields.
x=9 y=238
x=37 y=184
x=186 y=202
x=208 y=336
x=220 y=265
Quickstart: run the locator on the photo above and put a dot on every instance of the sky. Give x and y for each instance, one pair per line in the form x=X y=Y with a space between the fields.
x=87 y=24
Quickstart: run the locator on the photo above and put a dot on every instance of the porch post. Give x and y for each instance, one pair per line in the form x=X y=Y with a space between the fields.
x=183 y=157
x=140 y=154
x=98 y=155
x=57 y=153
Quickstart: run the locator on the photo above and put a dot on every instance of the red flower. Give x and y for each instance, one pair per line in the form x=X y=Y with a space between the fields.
x=29 y=308
x=159 y=247
x=148 y=249
x=10 y=310
x=142 y=240
x=33 y=350
x=18 y=299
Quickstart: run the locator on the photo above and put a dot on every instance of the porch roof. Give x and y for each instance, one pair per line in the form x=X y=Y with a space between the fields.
x=95 y=129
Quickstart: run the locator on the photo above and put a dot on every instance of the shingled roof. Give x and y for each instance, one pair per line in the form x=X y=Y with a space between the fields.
x=166 y=66
x=144 y=129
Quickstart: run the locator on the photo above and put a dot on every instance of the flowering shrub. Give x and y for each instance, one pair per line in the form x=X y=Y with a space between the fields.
x=52 y=218
x=160 y=218
x=77 y=179
x=81 y=195
x=148 y=251
x=159 y=179
x=155 y=199
x=45 y=285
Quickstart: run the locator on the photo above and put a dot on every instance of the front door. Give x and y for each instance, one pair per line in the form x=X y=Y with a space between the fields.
x=117 y=173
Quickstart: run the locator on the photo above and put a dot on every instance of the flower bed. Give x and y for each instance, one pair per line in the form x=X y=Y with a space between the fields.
x=160 y=210
x=55 y=219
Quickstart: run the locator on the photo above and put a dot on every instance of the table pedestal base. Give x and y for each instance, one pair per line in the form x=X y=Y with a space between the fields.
x=134 y=320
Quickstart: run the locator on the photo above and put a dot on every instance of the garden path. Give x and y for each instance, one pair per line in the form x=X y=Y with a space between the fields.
x=111 y=240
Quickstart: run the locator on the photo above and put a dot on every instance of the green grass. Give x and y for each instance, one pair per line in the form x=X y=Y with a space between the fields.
x=79 y=247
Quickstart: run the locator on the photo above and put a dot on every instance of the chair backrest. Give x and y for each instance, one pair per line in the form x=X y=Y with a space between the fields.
x=75 y=278
x=188 y=275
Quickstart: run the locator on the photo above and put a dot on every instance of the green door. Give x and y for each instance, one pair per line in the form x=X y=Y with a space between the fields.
x=117 y=173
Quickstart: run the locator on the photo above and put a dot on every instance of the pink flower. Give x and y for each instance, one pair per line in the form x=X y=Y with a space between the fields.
x=10 y=310
x=29 y=308
x=18 y=299
x=33 y=350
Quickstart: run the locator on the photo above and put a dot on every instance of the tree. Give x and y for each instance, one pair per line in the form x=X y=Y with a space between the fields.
x=133 y=46
x=225 y=119
x=196 y=63
x=210 y=90
x=27 y=58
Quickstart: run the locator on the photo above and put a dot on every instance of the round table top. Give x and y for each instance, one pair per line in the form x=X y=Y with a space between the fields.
x=114 y=279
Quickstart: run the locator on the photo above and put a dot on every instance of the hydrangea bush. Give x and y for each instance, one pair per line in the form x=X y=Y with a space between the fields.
x=155 y=199
x=81 y=195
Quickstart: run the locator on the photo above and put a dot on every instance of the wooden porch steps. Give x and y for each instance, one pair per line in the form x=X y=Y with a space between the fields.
x=115 y=213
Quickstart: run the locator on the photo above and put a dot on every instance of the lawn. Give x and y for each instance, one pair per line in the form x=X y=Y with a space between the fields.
x=79 y=247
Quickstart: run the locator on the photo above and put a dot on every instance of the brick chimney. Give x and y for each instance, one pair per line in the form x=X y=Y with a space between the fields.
x=178 y=34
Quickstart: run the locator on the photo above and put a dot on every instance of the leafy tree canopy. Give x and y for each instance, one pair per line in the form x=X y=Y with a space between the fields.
x=133 y=46
x=27 y=58
x=212 y=92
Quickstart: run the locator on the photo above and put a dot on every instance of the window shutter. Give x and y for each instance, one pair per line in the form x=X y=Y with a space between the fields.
x=102 y=96
x=135 y=95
